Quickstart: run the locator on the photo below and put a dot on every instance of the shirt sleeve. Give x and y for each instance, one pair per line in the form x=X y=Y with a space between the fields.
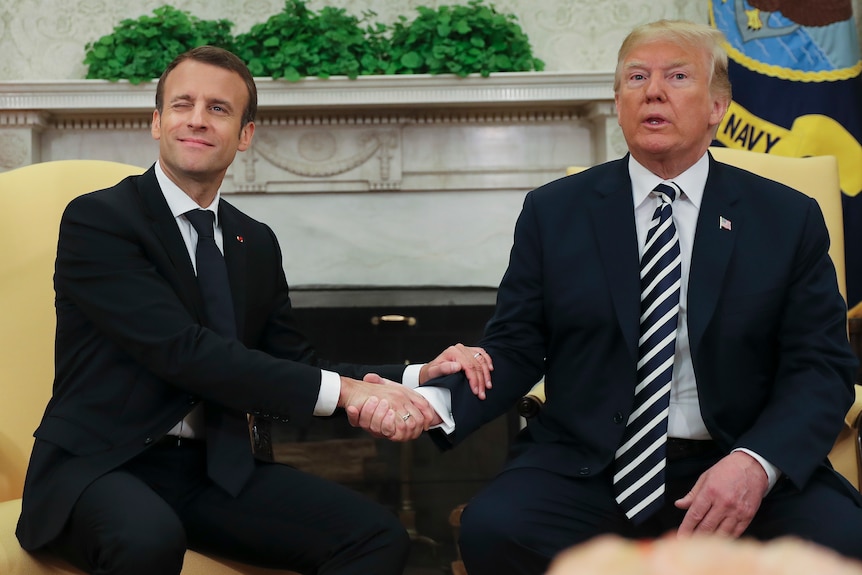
x=772 y=472
x=330 y=389
x=440 y=398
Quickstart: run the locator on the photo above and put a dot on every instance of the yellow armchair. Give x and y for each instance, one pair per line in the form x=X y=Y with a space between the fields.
x=32 y=200
x=817 y=177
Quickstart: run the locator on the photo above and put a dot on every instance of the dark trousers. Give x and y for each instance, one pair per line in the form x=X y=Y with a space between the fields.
x=519 y=522
x=141 y=518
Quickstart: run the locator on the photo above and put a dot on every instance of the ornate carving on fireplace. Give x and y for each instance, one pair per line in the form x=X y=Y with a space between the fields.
x=49 y=109
x=343 y=153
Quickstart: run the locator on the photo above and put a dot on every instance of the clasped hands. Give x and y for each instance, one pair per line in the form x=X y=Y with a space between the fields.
x=388 y=409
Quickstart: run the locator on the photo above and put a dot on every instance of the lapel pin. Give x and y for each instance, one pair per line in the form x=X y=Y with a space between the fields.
x=723 y=223
x=239 y=239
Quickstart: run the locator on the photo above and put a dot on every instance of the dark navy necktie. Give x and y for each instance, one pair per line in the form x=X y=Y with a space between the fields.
x=229 y=458
x=640 y=461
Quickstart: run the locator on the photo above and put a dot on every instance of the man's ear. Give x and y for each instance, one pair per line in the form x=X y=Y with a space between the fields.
x=245 y=135
x=156 y=125
x=719 y=109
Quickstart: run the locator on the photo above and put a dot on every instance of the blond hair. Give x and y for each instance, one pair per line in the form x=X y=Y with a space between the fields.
x=682 y=33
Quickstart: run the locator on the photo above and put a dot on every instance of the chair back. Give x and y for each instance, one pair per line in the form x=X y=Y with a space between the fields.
x=815 y=176
x=32 y=200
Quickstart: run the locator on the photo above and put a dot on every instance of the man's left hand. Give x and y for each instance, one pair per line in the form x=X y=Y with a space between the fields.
x=473 y=361
x=725 y=498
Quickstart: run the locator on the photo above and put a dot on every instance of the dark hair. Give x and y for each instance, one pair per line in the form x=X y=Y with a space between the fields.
x=222 y=59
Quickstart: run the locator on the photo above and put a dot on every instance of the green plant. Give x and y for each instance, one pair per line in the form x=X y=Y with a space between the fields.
x=460 y=39
x=139 y=50
x=299 y=42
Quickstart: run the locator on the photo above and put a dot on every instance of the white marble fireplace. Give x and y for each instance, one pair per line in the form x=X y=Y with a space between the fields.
x=380 y=182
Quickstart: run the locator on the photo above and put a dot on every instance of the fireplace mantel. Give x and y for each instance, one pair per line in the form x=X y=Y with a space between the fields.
x=380 y=181
x=506 y=90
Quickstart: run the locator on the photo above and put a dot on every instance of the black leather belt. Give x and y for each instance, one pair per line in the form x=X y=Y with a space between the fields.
x=683 y=448
x=175 y=441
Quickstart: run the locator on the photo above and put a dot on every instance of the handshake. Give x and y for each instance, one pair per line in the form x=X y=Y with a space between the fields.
x=388 y=409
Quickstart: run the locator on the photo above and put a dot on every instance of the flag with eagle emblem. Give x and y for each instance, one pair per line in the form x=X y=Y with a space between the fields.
x=796 y=72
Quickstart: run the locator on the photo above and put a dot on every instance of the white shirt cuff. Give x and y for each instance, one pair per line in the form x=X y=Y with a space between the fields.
x=410 y=377
x=330 y=389
x=772 y=472
x=440 y=398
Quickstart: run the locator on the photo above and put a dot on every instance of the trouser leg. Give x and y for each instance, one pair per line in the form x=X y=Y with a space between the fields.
x=286 y=518
x=120 y=526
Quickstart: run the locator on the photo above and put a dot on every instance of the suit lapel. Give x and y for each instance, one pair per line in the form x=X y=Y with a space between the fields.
x=713 y=247
x=614 y=222
x=235 y=258
x=165 y=229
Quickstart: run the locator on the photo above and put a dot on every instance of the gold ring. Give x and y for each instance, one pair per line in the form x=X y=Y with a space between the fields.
x=406 y=416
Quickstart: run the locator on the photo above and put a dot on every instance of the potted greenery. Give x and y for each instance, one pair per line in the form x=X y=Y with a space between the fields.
x=139 y=50
x=462 y=40
x=299 y=42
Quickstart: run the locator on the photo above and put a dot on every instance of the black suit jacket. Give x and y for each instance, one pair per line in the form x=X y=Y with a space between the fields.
x=133 y=355
x=766 y=323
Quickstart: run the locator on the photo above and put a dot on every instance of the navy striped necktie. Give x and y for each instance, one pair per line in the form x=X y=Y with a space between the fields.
x=229 y=458
x=640 y=461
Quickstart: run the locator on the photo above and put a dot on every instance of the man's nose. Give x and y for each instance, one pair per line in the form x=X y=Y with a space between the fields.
x=197 y=118
x=655 y=89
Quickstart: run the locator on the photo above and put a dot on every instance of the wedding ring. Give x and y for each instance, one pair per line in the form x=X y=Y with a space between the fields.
x=406 y=416
x=477 y=355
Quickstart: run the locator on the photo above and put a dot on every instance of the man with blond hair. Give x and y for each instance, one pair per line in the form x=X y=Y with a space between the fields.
x=686 y=319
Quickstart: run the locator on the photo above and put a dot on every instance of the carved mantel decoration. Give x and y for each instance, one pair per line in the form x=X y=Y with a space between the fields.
x=369 y=110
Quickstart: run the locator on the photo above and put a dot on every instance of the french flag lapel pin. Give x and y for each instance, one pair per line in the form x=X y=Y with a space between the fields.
x=723 y=223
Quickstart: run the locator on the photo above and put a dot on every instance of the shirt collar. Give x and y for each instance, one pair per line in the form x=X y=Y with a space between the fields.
x=692 y=181
x=178 y=201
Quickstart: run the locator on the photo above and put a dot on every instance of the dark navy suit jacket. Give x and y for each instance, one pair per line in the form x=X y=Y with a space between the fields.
x=766 y=324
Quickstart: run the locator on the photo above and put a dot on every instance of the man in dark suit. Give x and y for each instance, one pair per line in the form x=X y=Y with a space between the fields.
x=143 y=450
x=759 y=372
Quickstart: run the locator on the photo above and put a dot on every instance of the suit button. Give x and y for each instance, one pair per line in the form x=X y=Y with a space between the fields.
x=584 y=471
x=148 y=441
x=618 y=418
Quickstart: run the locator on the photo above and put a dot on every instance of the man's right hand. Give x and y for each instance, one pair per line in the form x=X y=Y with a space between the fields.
x=381 y=407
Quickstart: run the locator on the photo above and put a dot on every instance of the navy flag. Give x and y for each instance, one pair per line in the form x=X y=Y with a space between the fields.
x=796 y=72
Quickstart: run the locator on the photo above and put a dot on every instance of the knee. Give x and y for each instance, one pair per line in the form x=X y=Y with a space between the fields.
x=146 y=551
x=378 y=544
x=487 y=533
x=389 y=533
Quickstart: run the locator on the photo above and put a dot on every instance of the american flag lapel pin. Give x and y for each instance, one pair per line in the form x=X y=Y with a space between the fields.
x=239 y=239
x=723 y=223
